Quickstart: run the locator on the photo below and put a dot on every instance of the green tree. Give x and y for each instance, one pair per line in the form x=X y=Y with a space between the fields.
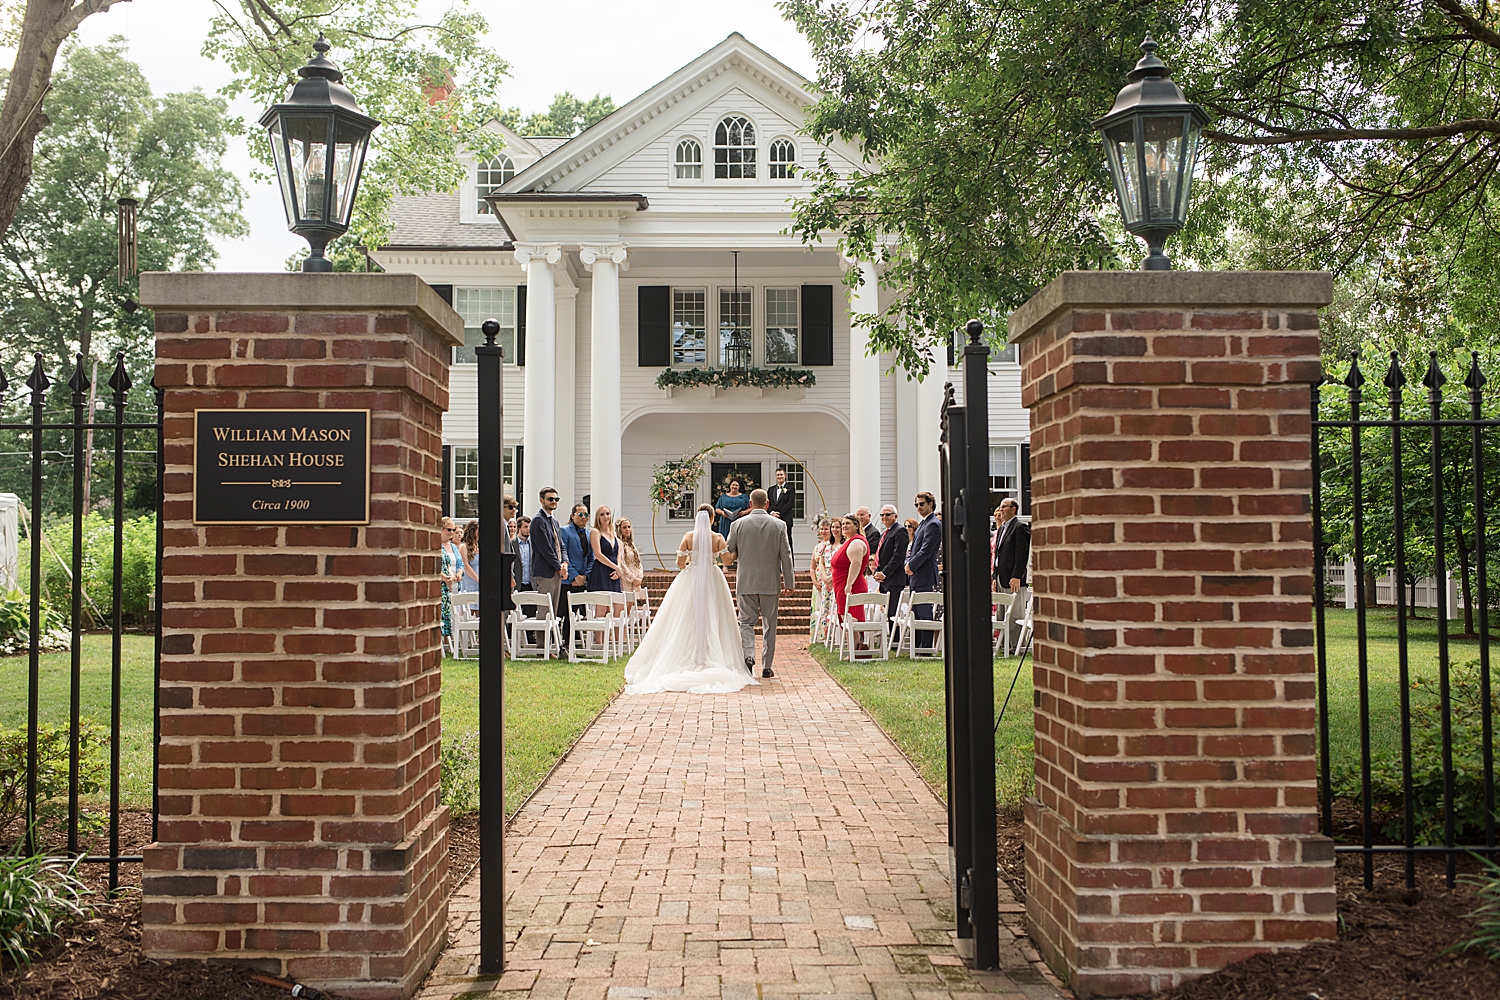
x=568 y=115
x=430 y=83
x=1342 y=130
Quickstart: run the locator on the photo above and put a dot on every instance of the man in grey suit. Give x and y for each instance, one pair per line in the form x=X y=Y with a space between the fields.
x=758 y=545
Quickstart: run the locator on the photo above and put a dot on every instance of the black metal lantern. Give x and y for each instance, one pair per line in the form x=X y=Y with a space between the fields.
x=737 y=350
x=318 y=140
x=1151 y=140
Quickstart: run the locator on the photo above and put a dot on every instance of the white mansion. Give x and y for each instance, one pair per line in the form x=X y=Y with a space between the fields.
x=658 y=241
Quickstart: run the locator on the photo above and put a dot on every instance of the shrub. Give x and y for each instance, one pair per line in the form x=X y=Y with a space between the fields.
x=37 y=895
x=1487 y=917
x=138 y=566
x=1427 y=764
x=51 y=770
x=15 y=625
x=459 y=785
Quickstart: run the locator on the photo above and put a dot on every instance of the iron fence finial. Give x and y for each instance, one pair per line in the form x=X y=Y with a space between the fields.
x=38 y=382
x=491 y=329
x=1475 y=380
x=1395 y=378
x=1434 y=379
x=120 y=380
x=1356 y=378
x=975 y=329
x=79 y=382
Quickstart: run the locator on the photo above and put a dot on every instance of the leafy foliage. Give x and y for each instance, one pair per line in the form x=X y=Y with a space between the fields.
x=15 y=625
x=138 y=573
x=52 y=754
x=567 y=115
x=458 y=787
x=431 y=84
x=37 y=896
x=673 y=478
x=1486 y=885
x=764 y=378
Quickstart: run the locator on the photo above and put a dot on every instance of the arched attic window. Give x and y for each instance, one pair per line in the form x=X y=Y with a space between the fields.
x=783 y=158
x=689 y=160
x=734 y=148
x=493 y=173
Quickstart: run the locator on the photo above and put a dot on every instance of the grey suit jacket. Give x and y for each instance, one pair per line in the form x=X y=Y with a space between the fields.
x=762 y=553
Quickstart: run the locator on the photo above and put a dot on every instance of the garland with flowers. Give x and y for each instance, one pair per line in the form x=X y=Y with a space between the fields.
x=725 y=378
x=671 y=479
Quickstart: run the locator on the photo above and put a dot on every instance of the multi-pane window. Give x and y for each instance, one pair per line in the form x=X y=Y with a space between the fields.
x=781 y=326
x=796 y=478
x=493 y=173
x=1005 y=470
x=466 y=479
x=735 y=336
x=689 y=160
x=783 y=160
x=476 y=305
x=734 y=148
x=686 y=507
x=689 y=327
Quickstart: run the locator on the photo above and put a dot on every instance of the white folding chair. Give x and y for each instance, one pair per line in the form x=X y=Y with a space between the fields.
x=1015 y=610
x=999 y=612
x=592 y=625
x=465 y=624
x=640 y=615
x=916 y=626
x=1023 y=640
x=619 y=613
x=872 y=630
x=901 y=624
x=534 y=617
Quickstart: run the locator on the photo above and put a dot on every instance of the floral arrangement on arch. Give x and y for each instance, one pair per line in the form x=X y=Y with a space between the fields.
x=723 y=378
x=671 y=479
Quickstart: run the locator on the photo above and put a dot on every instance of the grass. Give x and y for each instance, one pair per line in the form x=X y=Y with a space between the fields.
x=547 y=706
x=905 y=697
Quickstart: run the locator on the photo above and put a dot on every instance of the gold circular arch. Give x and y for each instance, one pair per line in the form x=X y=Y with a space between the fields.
x=822 y=501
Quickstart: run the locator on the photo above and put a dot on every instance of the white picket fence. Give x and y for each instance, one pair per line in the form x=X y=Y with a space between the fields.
x=1339 y=584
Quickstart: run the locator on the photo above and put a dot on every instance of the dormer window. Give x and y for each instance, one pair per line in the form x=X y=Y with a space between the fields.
x=492 y=174
x=734 y=148
x=783 y=160
x=689 y=160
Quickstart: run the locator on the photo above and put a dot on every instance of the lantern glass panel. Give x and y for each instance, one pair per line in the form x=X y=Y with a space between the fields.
x=307 y=148
x=1189 y=160
x=283 y=174
x=348 y=155
x=1119 y=144
x=1165 y=139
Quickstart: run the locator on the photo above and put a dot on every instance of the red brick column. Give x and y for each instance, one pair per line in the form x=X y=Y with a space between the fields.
x=1174 y=828
x=300 y=827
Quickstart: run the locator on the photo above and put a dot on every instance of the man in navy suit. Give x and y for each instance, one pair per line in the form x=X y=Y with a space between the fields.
x=548 y=567
x=922 y=559
x=890 y=557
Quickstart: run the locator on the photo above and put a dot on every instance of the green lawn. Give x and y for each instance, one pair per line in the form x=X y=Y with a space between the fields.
x=547 y=706
x=906 y=697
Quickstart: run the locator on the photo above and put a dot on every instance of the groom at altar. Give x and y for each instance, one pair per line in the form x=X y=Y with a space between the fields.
x=783 y=502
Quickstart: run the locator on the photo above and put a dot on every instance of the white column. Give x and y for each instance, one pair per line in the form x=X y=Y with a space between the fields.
x=565 y=470
x=539 y=434
x=864 y=397
x=929 y=427
x=606 y=262
x=906 y=442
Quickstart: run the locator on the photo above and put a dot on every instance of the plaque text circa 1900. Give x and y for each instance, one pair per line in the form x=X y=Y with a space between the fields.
x=281 y=467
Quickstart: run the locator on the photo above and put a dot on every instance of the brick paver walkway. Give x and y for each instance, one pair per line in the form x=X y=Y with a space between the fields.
x=770 y=842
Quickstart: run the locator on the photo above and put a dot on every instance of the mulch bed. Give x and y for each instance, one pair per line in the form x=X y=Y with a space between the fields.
x=1393 y=942
x=101 y=957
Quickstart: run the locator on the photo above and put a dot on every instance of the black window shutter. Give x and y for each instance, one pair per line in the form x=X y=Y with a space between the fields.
x=1025 y=479
x=520 y=482
x=445 y=292
x=817 y=324
x=654 y=326
x=952 y=354
x=521 y=325
x=447 y=480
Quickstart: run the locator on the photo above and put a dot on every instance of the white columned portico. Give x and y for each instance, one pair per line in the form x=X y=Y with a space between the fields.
x=864 y=396
x=605 y=261
x=540 y=433
x=929 y=426
x=565 y=467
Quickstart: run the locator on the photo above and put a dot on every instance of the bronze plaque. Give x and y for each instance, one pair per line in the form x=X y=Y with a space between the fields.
x=281 y=467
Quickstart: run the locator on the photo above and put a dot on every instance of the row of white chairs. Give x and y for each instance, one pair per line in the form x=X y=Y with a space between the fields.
x=604 y=625
x=877 y=635
x=1010 y=612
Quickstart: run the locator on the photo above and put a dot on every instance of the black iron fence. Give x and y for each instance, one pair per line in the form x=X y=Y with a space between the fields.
x=53 y=434
x=1406 y=490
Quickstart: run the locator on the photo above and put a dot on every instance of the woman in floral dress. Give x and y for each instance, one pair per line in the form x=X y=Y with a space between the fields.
x=820 y=572
x=630 y=557
x=449 y=571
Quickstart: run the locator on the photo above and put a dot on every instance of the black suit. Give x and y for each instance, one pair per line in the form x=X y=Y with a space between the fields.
x=784 y=504
x=1012 y=553
x=872 y=535
x=890 y=560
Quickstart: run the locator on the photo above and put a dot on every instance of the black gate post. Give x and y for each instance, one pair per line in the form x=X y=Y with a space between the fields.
x=38 y=384
x=956 y=660
x=984 y=910
x=492 y=580
x=79 y=383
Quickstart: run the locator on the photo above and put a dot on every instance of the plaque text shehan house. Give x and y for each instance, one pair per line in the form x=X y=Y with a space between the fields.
x=281 y=467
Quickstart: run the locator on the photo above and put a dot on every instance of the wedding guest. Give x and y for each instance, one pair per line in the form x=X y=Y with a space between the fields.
x=730 y=506
x=820 y=572
x=870 y=531
x=605 y=574
x=631 y=574
x=578 y=552
x=449 y=573
x=922 y=557
x=890 y=560
x=523 y=553
x=469 y=559
x=509 y=509
x=848 y=567
x=549 y=567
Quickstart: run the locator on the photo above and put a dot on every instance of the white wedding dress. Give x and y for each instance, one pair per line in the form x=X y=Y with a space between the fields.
x=693 y=643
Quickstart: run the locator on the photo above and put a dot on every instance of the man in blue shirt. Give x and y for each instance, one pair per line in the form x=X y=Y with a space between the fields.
x=523 y=553
x=578 y=552
x=922 y=559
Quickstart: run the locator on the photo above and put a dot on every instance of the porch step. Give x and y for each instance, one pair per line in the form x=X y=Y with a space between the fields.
x=792 y=611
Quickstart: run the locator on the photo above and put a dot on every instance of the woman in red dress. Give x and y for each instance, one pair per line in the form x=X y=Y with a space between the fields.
x=848 y=567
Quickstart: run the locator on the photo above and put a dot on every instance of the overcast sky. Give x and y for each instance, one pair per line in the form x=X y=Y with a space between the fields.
x=614 y=47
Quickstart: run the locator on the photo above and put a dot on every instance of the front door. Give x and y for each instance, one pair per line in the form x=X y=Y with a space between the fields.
x=720 y=473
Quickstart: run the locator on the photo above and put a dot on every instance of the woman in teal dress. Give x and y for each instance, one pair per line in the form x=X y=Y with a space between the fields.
x=731 y=505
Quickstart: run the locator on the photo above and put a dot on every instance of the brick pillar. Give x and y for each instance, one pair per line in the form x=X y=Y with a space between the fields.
x=300 y=827
x=1174 y=828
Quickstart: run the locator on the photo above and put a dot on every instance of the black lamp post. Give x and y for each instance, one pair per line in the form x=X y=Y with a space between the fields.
x=318 y=140
x=1151 y=139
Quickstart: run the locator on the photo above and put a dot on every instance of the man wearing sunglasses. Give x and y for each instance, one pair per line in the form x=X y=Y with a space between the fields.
x=548 y=565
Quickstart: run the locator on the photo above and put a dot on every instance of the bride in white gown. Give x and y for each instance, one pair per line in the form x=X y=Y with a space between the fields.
x=693 y=643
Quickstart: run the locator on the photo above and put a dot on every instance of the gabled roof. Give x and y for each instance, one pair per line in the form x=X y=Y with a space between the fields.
x=432 y=220
x=736 y=51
